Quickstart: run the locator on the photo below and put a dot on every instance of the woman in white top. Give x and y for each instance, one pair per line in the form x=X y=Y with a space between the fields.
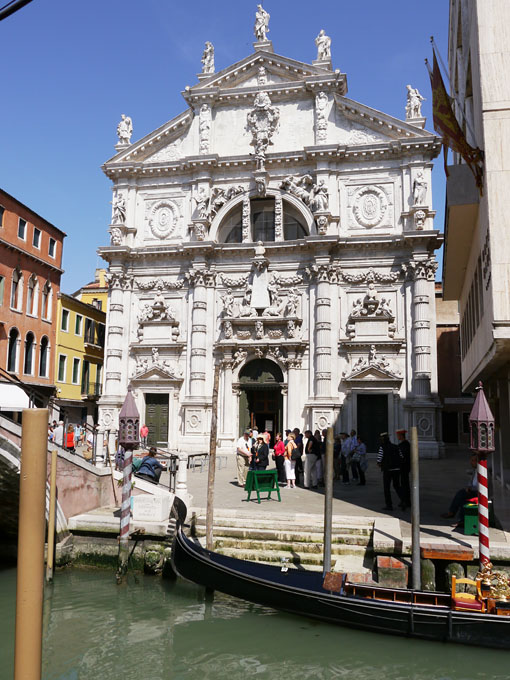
x=290 y=465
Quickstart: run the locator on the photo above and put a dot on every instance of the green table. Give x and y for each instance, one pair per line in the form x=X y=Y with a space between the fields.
x=262 y=481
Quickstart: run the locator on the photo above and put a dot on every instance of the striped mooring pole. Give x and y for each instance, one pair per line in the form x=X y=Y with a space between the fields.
x=483 y=511
x=125 y=514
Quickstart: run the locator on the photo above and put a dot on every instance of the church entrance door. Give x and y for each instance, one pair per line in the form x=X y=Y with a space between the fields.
x=372 y=419
x=261 y=401
x=156 y=419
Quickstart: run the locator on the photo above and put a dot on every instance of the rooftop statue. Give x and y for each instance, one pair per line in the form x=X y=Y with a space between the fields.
x=413 y=106
x=208 y=58
x=261 y=24
x=323 y=43
x=125 y=129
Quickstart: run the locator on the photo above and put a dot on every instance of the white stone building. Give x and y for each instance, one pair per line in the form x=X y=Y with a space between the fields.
x=286 y=232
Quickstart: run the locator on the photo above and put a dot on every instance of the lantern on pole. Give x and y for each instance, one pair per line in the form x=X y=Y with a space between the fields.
x=481 y=426
x=129 y=428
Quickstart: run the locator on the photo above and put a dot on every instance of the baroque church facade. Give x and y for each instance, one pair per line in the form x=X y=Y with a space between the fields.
x=284 y=232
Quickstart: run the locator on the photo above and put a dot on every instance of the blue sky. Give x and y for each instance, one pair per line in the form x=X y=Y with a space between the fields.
x=70 y=68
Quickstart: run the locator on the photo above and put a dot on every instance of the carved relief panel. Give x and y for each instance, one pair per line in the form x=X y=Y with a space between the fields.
x=370 y=206
x=164 y=218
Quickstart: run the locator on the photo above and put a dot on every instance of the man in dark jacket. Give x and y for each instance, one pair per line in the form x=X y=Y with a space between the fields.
x=390 y=461
x=312 y=451
x=151 y=468
x=405 y=468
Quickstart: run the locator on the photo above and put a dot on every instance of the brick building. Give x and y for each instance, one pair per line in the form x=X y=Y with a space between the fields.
x=30 y=271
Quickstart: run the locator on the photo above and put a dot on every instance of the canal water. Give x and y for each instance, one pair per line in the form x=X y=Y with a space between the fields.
x=152 y=629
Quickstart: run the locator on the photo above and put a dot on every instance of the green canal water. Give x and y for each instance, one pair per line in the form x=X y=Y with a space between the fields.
x=159 y=630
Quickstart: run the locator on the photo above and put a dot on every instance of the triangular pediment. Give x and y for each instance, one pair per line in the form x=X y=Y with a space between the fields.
x=155 y=373
x=372 y=373
x=245 y=73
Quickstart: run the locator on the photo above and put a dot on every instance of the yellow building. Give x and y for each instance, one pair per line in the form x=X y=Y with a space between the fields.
x=79 y=358
x=96 y=292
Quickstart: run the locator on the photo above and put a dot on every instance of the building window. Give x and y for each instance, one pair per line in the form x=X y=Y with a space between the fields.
x=16 y=289
x=47 y=297
x=22 y=228
x=262 y=213
x=98 y=304
x=100 y=334
x=78 y=324
x=64 y=325
x=89 y=331
x=52 y=246
x=262 y=220
x=85 y=378
x=12 y=351
x=76 y=371
x=36 y=241
x=2 y=283
x=28 y=364
x=44 y=357
x=62 y=360
x=2 y=211
x=32 y=295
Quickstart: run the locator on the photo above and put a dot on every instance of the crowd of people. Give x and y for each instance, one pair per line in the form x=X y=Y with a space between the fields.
x=299 y=457
x=70 y=437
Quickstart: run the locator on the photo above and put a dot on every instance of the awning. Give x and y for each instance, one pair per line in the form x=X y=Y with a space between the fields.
x=12 y=398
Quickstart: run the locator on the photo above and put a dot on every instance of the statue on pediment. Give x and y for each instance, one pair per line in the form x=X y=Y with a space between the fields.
x=208 y=58
x=261 y=27
x=323 y=43
x=125 y=129
x=413 y=106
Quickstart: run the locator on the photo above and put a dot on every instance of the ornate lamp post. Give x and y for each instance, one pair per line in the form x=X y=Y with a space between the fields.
x=481 y=425
x=129 y=428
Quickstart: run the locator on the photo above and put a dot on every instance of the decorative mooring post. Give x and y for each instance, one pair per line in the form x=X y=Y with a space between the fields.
x=481 y=425
x=129 y=428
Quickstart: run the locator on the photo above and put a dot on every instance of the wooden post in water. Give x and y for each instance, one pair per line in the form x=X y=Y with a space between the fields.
x=52 y=517
x=31 y=529
x=415 y=509
x=209 y=519
x=328 y=501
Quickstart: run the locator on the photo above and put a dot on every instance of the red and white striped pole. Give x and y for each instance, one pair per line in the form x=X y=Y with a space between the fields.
x=483 y=512
x=125 y=513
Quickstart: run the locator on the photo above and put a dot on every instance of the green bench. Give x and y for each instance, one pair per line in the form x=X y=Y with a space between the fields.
x=262 y=481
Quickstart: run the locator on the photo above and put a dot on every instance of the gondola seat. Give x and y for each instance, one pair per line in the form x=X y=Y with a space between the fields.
x=467 y=601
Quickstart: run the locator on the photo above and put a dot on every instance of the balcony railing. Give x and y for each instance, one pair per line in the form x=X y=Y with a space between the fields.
x=91 y=390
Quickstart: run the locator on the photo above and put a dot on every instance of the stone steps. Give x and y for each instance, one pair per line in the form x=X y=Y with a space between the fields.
x=355 y=526
x=221 y=544
x=285 y=536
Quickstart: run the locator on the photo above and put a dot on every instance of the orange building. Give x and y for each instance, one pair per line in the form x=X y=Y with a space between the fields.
x=30 y=271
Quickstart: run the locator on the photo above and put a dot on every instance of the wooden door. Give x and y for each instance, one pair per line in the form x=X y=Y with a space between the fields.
x=156 y=419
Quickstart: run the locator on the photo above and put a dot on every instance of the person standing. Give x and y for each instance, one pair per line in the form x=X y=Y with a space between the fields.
x=70 y=440
x=290 y=465
x=389 y=460
x=279 y=458
x=405 y=468
x=58 y=434
x=311 y=458
x=243 y=457
x=260 y=454
x=298 y=440
x=344 y=457
x=353 y=443
x=359 y=460
x=144 y=433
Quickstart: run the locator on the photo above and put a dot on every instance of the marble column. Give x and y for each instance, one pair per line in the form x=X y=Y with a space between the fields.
x=323 y=333
x=424 y=272
x=198 y=334
x=116 y=322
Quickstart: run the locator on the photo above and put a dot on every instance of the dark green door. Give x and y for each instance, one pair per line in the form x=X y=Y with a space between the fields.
x=372 y=419
x=156 y=419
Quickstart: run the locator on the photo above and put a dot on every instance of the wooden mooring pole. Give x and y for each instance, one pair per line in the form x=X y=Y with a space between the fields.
x=328 y=501
x=52 y=517
x=209 y=520
x=415 y=509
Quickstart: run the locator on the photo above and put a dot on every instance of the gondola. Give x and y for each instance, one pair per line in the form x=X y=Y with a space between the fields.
x=419 y=614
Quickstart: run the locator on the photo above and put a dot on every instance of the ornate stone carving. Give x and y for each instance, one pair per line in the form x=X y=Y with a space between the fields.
x=315 y=196
x=261 y=28
x=199 y=231
x=202 y=277
x=238 y=357
x=422 y=269
x=373 y=360
x=322 y=224
x=319 y=199
x=370 y=276
x=261 y=76
x=369 y=206
x=119 y=280
x=145 y=364
x=108 y=418
x=125 y=130
x=419 y=219
x=228 y=331
x=323 y=43
x=285 y=280
x=231 y=282
x=321 y=122
x=424 y=424
x=259 y=330
x=201 y=198
x=324 y=272
x=246 y=218
x=362 y=135
x=246 y=310
x=262 y=122
x=157 y=311
x=413 y=105
x=278 y=218
x=420 y=186
x=118 y=209
x=208 y=207
x=160 y=284
x=208 y=58
x=115 y=236
x=275 y=334
x=163 y=218
x=170 y=153
x=228 y=304
x=204 y=128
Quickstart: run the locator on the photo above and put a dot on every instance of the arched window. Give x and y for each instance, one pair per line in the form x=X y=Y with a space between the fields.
x=262 y=220
x=44 y=357
x=17 y=289
x=28 y=363
x=46 y=301
x=32 y=295
x=12 y=351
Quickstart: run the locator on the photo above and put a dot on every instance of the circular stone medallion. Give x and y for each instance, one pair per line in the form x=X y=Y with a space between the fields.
x=370 y=205
x=163 y=219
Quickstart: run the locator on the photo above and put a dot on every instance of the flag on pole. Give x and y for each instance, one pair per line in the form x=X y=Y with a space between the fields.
x=446 y=124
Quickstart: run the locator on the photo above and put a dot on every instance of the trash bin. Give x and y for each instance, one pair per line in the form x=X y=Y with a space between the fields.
x=471 y=519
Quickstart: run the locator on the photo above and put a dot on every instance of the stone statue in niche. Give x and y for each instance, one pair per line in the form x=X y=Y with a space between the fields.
x=125 y=129
x=259 y=330
x=419 y=189
x=228 y=303
x=384 y=308
x=371 y=300
x=372 y=354
x=118 y=209
x=261 y=28
x=413 y=105
x=262 y=122
x=115 y=236
x=204 y=128
x=419 y=219
x=319 y=197
x=358 y=309
x=277 y=306
x=228 y=330
x=323 y=43
x=246 y=310
x=157 y=311
x=298 y=186
x=292 y=304
x=208 y=58
x=202 y=204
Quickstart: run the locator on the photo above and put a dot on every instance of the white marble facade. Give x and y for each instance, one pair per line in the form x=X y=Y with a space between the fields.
x=274 y=219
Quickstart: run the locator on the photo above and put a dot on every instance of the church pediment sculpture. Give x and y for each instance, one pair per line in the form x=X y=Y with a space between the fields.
x=372 y=367
x=158 y=313
x=155 y=367
x=208 y=204
x=262 y=122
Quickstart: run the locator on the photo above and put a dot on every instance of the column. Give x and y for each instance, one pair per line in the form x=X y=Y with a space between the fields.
x=113 y=359
x=226 y=402
x=423 y=274
x=323 y=333
x=200 y=278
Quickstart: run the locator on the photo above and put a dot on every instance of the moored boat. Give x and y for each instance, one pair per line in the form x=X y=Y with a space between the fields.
x=426 y=615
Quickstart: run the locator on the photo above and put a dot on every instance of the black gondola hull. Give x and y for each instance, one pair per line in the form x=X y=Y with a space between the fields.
x=300 y=592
